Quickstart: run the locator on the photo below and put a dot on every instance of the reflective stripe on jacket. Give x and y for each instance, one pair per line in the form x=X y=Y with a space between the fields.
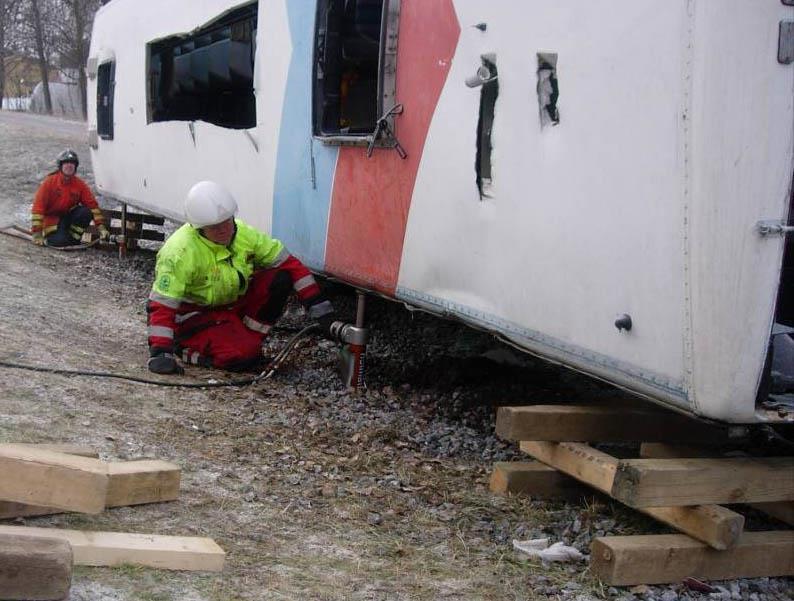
x=194 y=273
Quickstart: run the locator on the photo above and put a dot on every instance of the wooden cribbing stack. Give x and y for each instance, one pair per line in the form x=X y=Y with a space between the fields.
x=131 y=227
x=681 y=486
x=36 y=563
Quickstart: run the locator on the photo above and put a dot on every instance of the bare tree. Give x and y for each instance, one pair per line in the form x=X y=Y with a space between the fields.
x=73 y=41
x=38 y=28
x=9 y=9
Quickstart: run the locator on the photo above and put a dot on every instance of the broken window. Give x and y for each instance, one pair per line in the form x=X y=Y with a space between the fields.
x=488 y=94
x=208 y=74
x=355 y=51
x=106 y=76
x=548 y=90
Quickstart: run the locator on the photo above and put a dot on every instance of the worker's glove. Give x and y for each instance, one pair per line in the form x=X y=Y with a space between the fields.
x=322 y=310
x=38 y=239
x=104 y=233
x=164 y=364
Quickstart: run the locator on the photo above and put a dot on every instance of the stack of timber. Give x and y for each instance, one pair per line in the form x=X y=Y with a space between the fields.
x=36 y=563
x=131 y=227
x=681 y=479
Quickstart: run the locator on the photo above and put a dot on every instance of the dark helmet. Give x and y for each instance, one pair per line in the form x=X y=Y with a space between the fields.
x=68 y=156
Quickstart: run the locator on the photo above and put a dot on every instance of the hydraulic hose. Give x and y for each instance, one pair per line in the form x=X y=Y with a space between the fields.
x=266 y=374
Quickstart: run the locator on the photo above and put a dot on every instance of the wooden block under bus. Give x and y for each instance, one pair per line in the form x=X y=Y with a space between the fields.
x=716 y=526
x=46 y=478
x=130 y=483
x=692 y=481
x=598 y=423
x=147 y=550
x=780 y=510
x=668 y=558
x=536 y=480
x=34 y=569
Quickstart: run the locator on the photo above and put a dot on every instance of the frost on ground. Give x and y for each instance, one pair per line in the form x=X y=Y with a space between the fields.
x=314 y=491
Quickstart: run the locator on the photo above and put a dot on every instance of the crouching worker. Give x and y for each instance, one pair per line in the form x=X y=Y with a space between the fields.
x=64 y=206
x=219 y=287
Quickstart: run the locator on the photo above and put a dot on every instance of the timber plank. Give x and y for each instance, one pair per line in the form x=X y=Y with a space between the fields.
x=9 y=509
x=666 y=558
x=597 y=423
x=581 y=461
x=691 y=481
x=717 y=526
x=143 y=481
x=68 y=448
x=129 y=483
x=537 y=480
x=34 y=569
x=134 y=217
x=148 y=550
x=780 y=510
x=47 y=478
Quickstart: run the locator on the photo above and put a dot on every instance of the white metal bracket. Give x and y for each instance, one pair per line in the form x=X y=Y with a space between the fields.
x=773 y=228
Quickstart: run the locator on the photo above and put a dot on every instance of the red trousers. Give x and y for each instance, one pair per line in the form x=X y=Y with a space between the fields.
x=230 y=337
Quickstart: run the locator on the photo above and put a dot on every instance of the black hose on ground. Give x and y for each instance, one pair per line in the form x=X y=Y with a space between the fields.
x=268 y=372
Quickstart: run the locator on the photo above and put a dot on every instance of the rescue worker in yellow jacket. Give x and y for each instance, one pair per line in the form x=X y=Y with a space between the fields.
x=219 y=287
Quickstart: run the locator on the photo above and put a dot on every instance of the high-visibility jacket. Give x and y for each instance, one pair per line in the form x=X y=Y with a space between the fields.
x=56 y=197
x=193 y=273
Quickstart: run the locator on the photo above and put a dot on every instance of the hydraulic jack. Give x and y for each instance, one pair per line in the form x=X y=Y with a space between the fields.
x=354 y=338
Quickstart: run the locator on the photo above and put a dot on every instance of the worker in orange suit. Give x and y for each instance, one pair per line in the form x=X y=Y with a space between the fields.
x=64 y=206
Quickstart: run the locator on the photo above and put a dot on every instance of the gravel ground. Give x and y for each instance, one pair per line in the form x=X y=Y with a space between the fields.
x=315 y=491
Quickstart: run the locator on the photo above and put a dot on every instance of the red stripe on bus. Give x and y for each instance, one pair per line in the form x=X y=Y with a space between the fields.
x=372 y=196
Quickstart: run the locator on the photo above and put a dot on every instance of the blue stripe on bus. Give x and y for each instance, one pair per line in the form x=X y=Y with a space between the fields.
x=304 y=168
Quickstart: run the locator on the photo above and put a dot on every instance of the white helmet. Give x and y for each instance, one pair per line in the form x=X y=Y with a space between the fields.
x=209 y=203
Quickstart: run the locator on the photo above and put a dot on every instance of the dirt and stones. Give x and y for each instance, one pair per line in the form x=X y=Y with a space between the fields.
x=315 y=492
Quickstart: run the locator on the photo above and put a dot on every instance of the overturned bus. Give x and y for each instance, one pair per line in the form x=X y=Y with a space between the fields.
x=607 y=189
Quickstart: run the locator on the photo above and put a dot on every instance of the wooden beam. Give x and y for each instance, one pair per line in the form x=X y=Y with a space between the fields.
x=46 y=478
x=661 y=450
x=34 y=568
x=144 y=481
x=689 y=481
x=148 y=550
x=9 y=509
x=717 y=526
x=130 y=483
x=780 y=510
x=581 y=461
x=586 y=423
x=139 y=217
x=69 y=449
x=536 y=480
x=667 y=558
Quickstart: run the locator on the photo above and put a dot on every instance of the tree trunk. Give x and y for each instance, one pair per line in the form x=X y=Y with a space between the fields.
x=3 y=25
x=2 y=65
x=81 y=51
x=2 y=74
x=38 y=28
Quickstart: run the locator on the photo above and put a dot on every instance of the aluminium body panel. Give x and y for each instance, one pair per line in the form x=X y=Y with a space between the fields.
x=675 y=137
